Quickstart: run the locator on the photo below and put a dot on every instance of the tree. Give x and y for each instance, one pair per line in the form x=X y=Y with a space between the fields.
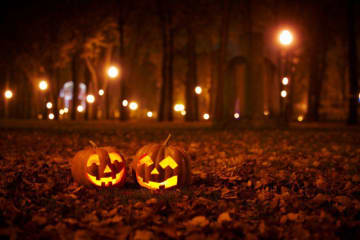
x=352 y=56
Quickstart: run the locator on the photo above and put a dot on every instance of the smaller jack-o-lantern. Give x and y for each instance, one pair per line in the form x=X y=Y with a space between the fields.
x=159 y=166
x=101 y=167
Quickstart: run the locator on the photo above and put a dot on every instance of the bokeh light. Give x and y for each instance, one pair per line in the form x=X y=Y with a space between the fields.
x=49 y=105
x=43 y=85
x=283 y=93
x=8 y=94
x=198 y=90
x=133 y=106
x=90 y=98
x=286 y=37
x=113 y=72
x=206 y=116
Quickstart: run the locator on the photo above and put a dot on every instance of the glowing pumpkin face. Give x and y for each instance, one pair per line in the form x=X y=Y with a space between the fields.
x=158 y=166
x=101 y=167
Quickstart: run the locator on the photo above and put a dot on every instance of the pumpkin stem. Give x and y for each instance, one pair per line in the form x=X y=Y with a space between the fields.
x=92 y=144
x=165 y=143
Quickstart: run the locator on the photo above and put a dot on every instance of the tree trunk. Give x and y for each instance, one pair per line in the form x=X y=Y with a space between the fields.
x=352 y=56
x=87 y=83
x=170 y=91
x=75 y=80
x=191 y=77
x=164 y=67
x=223 y=36
x=124 y=113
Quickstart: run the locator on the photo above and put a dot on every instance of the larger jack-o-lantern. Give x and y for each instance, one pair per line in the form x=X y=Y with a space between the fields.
x=159 y=166
x=100 y=167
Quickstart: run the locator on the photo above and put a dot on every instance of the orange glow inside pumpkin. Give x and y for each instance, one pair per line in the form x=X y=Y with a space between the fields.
x=166 y=162
x=168 y=183
x=105 y=181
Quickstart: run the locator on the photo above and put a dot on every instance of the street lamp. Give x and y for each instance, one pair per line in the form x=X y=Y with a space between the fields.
x=198 y=90
x=113 y=72
x=49 y=105
x=206 y=116
x=101 y=92
x=43 y=85
x=286 y=37
x=8 y=94
x=133 y=105
x=90 y=98
x=285 y=81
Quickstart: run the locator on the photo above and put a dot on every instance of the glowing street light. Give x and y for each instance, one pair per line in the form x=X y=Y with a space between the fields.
x=80 y=108
x=300 y=118
x=101 y=92
x=285 y=37
x=113 y=72
x=49 y=105
x=266 y=113
x=66 y=110
x=61 y=111
x=179 y=107
x=133 y=106
x=198 y=90
x=43 y=85
x=51 y=116
x=90 y=98
x=125 y=103
x=283 y=93
x=285 y=81
x=206 y=116
x=149 y=114
x=8 y=94
x=236 y=115
x=183 y=112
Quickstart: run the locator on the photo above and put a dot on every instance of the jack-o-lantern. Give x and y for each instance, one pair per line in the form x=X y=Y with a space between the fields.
x=101 y=167
x=159 y=166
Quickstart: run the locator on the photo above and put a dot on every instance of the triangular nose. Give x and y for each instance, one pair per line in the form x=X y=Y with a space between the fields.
x=107 y=169
x=154 y=171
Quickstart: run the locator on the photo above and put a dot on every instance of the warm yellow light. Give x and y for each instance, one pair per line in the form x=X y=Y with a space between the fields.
x=113 y=72
x=49 y=105
x=198 y=90
x=80 y=108
x=101 y=92
x=206 y=116
x=66 y=110
x=61 y=111
x=283 y=93
x=179 y=107
x=285 y=81
x=90 y=98
x=236 y=115
x=168 y=183
x=39 y=116
x=51 y=116
x=43 y=85
x=125 y=103
x=8 y=94
x=183 y=112
x=300 y=118
x=266 y=112
x=117 y=114
x=133 y=105
x=149 y=114
x=285 y=37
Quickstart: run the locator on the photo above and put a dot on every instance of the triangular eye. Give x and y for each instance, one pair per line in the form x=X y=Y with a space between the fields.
x=154 y=171
x=168 y=161
x=115 y=157
x=146 y=160
x=94 y=158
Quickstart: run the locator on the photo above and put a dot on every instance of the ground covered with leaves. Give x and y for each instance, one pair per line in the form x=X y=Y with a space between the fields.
x=299 y=183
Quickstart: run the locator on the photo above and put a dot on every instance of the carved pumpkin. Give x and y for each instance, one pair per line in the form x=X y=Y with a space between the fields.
x=101 y=167
x=159 y=166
